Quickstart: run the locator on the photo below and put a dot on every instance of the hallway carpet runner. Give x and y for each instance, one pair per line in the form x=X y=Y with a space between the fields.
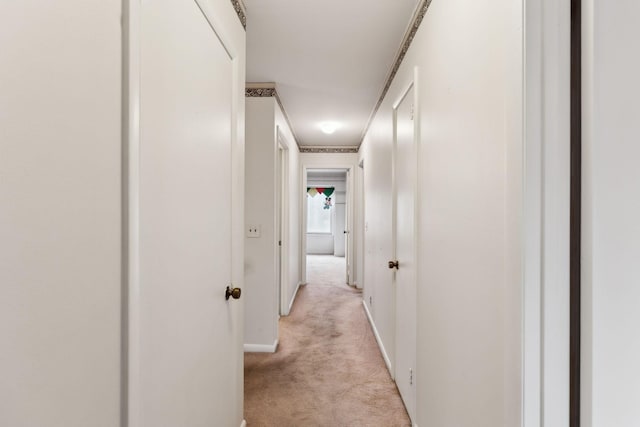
x=327 y=370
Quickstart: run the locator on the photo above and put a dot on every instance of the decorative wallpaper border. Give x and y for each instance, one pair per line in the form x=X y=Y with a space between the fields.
x=421 y=11
x=260 y=92
x=338 y=150
x=238 y=6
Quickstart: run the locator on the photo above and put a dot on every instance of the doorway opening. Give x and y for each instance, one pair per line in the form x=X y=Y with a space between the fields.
x=327 y=234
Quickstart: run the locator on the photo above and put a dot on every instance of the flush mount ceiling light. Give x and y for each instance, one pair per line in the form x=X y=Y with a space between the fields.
x=328 y=127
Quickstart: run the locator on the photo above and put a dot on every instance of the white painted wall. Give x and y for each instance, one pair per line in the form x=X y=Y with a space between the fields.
x=611 y=209
x=470 y=109
x=319 y=244
x=60 y=213
x=264 y=117
x=261 y=315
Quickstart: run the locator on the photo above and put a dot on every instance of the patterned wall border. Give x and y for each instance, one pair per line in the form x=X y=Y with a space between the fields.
x=260 y=92
x=238 y=6
x=418 y=16
x=324 y=150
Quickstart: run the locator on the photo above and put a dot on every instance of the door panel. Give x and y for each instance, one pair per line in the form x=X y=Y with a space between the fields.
x=187 y=332
x=405 y=247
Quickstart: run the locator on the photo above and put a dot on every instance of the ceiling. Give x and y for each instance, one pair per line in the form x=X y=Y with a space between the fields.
x=329 y=60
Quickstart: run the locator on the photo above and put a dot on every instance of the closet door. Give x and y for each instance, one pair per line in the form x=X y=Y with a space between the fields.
x=189 y=333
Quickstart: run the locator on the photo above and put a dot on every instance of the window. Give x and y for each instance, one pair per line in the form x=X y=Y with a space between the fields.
x=318 y=218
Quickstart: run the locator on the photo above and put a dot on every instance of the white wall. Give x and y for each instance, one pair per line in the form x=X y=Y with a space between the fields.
x=611 y=214
x=468 y=287
x=60 y=213
x=319 y=244
x=261 y=315
x=263 y=118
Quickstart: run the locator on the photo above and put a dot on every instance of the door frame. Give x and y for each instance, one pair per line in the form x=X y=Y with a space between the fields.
x=327 y=161
x=282 y=165
x=576 y=217
x=545 y=231
x=360 y=225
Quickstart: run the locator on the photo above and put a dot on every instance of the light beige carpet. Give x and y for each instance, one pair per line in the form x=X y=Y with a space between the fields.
x=328 y=370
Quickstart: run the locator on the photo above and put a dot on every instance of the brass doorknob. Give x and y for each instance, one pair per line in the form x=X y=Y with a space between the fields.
x=394 y=264
x=232 y=292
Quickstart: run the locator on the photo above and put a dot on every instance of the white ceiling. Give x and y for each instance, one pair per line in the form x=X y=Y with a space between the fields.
x=328 y=58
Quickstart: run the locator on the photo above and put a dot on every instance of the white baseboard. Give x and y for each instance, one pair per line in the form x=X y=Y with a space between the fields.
x=261 y=348
x=378 y=339
x=243 y=423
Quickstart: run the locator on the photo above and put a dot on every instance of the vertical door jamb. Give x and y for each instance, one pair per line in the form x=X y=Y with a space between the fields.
x=576 y=212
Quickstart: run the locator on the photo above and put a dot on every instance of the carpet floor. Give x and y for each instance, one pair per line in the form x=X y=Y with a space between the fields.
x=328 y=370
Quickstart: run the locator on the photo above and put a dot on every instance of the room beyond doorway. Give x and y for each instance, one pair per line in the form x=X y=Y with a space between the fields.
x=326 y=222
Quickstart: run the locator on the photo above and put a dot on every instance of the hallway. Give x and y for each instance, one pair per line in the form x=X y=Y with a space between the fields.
x=166 y=166
x=328 y=370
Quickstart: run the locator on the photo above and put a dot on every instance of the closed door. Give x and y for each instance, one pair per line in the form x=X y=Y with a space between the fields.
x=188 y=332
x=405 y=250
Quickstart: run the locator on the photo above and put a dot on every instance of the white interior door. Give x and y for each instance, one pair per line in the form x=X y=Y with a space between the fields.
x=405 y=251
x=188 y=332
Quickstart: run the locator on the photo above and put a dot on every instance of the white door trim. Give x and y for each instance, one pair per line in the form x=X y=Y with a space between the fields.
x=282 y=162
x=545 y=300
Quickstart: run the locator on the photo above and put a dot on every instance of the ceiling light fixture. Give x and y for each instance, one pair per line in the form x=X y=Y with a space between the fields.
x=328 y=127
